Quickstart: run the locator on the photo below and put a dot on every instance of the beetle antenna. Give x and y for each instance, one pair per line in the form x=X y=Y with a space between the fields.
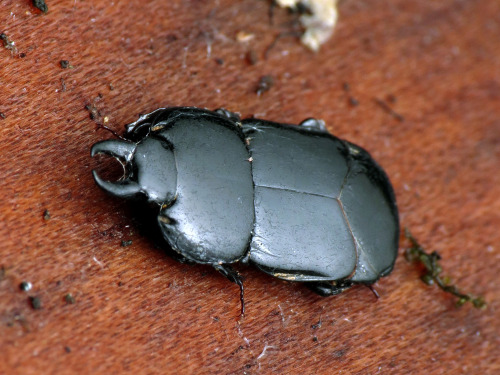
x=101 y=126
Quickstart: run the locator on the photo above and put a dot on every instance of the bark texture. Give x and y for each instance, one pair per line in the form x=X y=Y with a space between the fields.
x=435 y=65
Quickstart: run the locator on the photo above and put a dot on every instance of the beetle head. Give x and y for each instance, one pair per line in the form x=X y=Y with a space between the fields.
x=149 y=169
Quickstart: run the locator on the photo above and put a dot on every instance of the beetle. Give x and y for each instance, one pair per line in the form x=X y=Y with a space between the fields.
x=299 y=203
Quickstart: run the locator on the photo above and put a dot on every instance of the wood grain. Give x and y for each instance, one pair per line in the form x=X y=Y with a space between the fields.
x=136 y=310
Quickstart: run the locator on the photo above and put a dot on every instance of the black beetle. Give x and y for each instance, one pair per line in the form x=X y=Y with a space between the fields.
x=296 y=201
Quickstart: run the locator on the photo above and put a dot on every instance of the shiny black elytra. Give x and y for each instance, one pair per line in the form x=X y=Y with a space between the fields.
x=299 y=203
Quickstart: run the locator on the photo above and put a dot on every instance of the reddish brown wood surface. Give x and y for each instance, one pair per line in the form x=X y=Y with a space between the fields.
x=136 y=310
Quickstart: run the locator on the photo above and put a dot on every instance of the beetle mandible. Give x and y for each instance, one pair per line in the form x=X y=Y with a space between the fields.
x=296 y=201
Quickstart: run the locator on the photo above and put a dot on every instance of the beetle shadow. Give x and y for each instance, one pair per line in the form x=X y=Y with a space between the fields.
x=144 y=220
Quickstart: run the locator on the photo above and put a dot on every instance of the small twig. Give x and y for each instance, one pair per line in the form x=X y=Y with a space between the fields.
x=416 y=253
x=284 y=34
x=388 y=109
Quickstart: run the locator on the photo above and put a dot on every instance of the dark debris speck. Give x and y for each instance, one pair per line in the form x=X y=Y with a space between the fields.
x=353 y=102
x=35 y=302
x=339 y=353
x=93 y=111
x=317 y=325
x=40 y=4
x=25 y=286
x=65 y=64
x=7 y=43
x=69 y=299
x=126 y=243
x=265 y=84
x=63 y=85
x=252 y=57
x=46 y=215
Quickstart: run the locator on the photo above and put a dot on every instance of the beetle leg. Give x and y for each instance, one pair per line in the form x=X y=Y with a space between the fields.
x=233 y=116
x=232 y=275
x=146 y=120
x=329 y=289
x=313 y=124
x=374 y=291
